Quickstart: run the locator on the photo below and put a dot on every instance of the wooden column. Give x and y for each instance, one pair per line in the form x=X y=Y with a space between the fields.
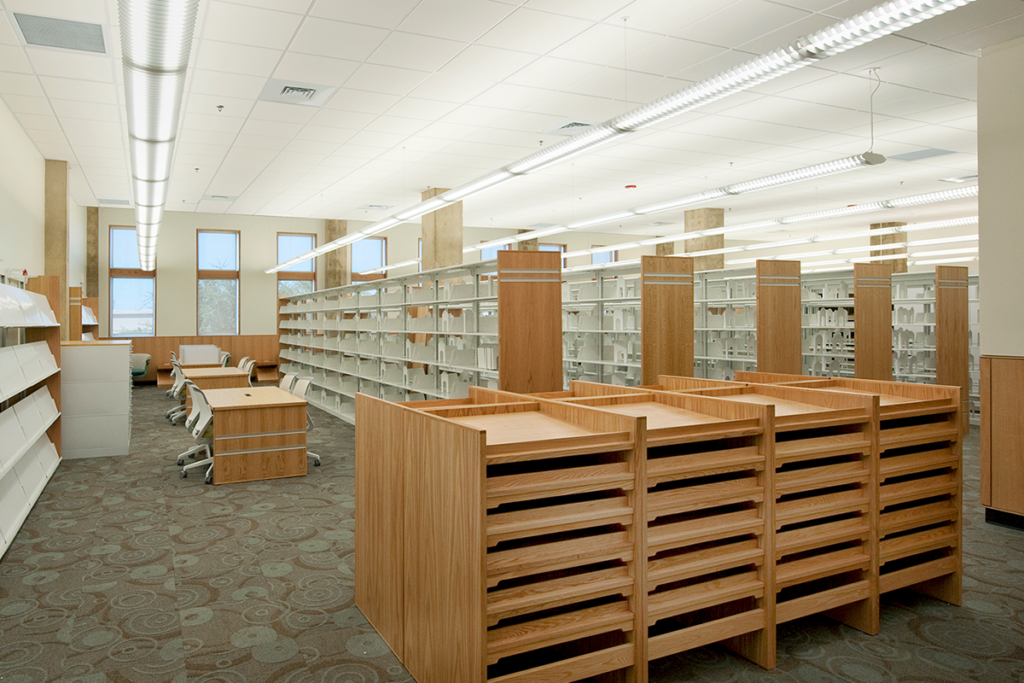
x=336 y=264
x=74 y=325
x=528 y=245
x=55 y=235
x=442 y=234
x=778 y=317
x=898 y=265
x=92 y=252
x=952 y=333
x=705 y=219
x=665 y=249
x=529 y=321
x=872 y=322
x=666 y=301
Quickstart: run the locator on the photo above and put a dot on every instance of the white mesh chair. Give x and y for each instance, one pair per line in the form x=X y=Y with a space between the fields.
x=179 y=392
x=202 y=432
x=299 y=389
x=242 y=361
x=249 y=367
x=225 y=358
x=287 y=381
x=190 y=420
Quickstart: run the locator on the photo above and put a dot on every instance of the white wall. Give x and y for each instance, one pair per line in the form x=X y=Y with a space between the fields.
x=77 y=238
x=22 y=198
x=176 y=267
x=1001 y=174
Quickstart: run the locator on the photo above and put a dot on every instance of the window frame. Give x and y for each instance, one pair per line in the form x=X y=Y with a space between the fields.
x=295 y=274
x=206 y=274
x=356 y=277
x=562 y=249
x=614 y=255
x=126 y=273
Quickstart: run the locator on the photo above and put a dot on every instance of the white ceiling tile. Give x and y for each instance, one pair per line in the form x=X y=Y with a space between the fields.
x=741 y=22
x=12 y=58
x=26 y=104
x=38 y=122
x=361 y=101
x=203 y=137
x=486 y=63
x=233 y=23
x=787 y=34
x=19 y=84
x=551 y=73
x=294 y=6
x=260 y=142
x=69 y=64
x=317 y=147
x=971 y=17
x=385 y=79
x=86 y=110
x=396 y=124
x=447 y=88
x=417 y=108
x=383 y=14
x=526 y=121
x=335 y=136
x=981 y=38
x=375 y=139
x=593 y=10
x=603 y=44
x=240 y=59
x=509 y=96
x=276 y=129
x=43 y=137
x=70 y=89
x=412 y=51
x=89 y=11
x=337 y=118
x=212 y=122
x=7 y=34
x=670 y=55
x=87 y=151
x=314 y=69
x=609 y=82
x=531 y=31
x=337 y=39
x=285 y=113
x=229 y=85
x=207 y=104
x=464 y=20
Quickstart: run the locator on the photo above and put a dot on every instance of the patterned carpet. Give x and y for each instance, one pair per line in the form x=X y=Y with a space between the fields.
x=126 y=573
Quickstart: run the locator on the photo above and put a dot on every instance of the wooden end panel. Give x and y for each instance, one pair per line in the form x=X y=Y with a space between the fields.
x=952 y=334
x=380 y=518
x=49 y=286
x=74 y=313
x=1005 y=440
x=529 y=321
x=778 y=317
x=986 y=431
x=667 y=316
x=445 y=575
x=872 y=286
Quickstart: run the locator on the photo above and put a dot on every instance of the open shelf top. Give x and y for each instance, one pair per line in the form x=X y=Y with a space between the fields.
x=661 y=416
x=783 y=407
x=521 y=427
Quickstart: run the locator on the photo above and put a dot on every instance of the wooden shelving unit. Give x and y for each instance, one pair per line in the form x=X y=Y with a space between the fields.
x=778 y=316
x=90 y=321
x=30 y=395
x=824 y=477
x=920 y=483
x=501 y=537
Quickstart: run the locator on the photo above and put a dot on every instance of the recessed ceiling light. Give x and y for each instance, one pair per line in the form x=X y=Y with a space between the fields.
x=961 y=179
x=219 y=198
x=374 y=207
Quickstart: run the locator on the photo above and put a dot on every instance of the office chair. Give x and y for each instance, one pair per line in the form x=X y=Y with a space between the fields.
x=202 y=432
x=140 y=364
x=300 y=388
x=193 y=415
x=249 y=367
x=178 y=391
x=225 y=358
x=287 y=381
x=242 y=361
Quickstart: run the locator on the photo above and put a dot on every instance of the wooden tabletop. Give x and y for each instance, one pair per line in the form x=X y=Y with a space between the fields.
x=98 y=342
x=168 y=366
x=783 y=407
x=206 y=373
x=884 y=399
x=251 y=397
x=661 y=416
x=516 y=427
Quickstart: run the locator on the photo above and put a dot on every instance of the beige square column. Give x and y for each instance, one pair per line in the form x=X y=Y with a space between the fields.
x=705 y=219
x=336 y=271
x=526 y=245
x=92 y=251
x=899 y=265
x=665 y=249
x=55 y=233
x=442 y=234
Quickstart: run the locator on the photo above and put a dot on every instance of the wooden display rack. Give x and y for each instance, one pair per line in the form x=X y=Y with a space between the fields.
x=499 y=538
x=708 y=537
x=825 y=464
x=920 y=481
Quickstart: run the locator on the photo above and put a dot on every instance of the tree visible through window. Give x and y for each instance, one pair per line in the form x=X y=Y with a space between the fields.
x=132 y=290
x=217 y=282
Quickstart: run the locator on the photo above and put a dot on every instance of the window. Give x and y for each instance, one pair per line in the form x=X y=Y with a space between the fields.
x=491 y=253
x=132 y=290
x=604 y=256
x=367 y=254
x=560 y=248
x=300 y=278
x=420 y=255
x=217 y=282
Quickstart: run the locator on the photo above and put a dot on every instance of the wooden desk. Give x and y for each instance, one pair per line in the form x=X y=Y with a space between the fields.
x=164 y=377
x=215 y=378
x=258 y=433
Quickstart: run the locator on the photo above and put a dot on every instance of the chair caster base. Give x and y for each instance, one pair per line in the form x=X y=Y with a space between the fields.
x=183 y=474
x=316 y=463
x=209 y=479
x=180 y=462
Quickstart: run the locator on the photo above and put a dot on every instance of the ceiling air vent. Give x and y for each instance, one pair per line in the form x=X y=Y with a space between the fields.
x=295 y=92
x=218 y=198
x=919 y=154
x=374 y=207
x=115 y=202
x=570 y=127
x=67 y=35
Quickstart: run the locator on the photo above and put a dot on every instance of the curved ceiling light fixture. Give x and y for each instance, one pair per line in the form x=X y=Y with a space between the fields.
x=861 y=28
x=156 y=38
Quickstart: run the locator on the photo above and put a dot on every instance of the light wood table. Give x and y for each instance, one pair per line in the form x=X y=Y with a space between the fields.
x=216 y=378
x=258 y=433
x=164 y=378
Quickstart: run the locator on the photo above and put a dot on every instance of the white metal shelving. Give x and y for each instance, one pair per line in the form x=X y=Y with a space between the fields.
x=827 y=314
x=725 y=322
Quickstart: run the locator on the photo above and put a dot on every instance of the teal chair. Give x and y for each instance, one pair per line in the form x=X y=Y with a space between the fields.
x=140 y=364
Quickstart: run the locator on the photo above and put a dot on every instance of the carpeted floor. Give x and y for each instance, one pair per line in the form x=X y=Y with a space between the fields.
x=124 y=572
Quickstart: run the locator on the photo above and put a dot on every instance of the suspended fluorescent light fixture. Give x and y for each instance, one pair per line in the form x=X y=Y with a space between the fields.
x=932 y=262
x=156 y=38
x=861 y=28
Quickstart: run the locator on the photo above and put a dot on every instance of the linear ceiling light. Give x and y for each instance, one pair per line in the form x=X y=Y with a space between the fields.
x=861 y=28
x=156 y=38
x=933 y=262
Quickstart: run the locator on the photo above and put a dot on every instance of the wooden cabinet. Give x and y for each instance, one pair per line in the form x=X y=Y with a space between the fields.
x=1002 y=438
